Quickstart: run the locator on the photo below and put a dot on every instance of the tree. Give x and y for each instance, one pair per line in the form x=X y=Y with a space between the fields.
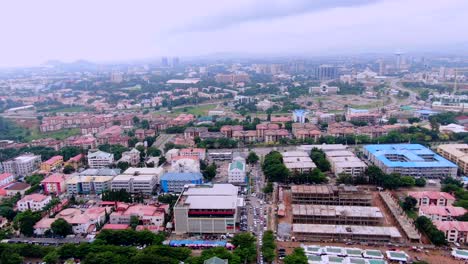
x=420 y=182
x=145 y=124
x=392 y=120
x=245 y=246
x=123 y=165
x=210 y=172
x=51 y=258
x=10 y=257
x=68 y=169
x=407 y=181
x=136 y=120
x=61 y=227
x=252 y=158
x=409 y=203
x=297 y=257
x=268 y=188
x=344 y=178
x=26 y=220
x=161 y=161
x=425 y=225
x=134 y=221
x=269 y=246
x=319 y=158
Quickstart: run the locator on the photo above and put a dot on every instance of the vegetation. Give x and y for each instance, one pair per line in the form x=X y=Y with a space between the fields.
x=121 y=196
x=297 y=257
x=318 y=157
x=274 y=169
x=117 y=150
x=347 y=88
x=10 y=131
x=252 y=158
x=217 y=143
x=209 y=172
x=245 y=247
x=61 y=227
x=454 y=186
x=425 y=225
x=269 y=246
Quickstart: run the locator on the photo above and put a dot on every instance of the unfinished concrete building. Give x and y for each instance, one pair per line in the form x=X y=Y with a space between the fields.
x=336 y=214
x=330 y=195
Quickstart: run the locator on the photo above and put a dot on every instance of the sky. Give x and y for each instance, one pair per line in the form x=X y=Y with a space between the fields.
x=33 y=32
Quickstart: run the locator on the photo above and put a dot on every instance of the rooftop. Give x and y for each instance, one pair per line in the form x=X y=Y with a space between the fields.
x=433 y=195
x=331 y=210
x=181 y=176
x=347 y=229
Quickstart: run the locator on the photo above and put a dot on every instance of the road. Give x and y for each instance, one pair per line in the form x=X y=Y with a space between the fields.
x=162 y=140
x=413 y=96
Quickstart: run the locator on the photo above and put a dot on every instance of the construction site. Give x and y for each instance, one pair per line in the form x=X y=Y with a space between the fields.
x=330 y=195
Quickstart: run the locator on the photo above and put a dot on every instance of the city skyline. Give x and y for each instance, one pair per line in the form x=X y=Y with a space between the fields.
x=121 y=31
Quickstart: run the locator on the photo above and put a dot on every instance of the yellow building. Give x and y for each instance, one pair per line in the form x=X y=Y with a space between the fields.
x=457 y=153
x=52 y=163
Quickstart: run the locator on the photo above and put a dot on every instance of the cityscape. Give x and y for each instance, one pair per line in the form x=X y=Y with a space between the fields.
x=242 y=134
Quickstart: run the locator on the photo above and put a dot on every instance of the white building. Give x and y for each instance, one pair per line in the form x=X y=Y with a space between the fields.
x=298 y=161
x=185 y=164
x=344 y=161
x=34 y=202
x=100 y=159
x=145 y=184
x=132 y=157
x=22 y=165
x=237 y=171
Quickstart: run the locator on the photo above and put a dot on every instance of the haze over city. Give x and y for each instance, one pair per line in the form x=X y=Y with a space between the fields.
x=109 y=31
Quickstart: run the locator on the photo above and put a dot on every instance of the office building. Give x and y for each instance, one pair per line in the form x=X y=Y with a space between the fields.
x=100 y=159
x=135 y=183
x=457 y=153
x=148 y=215
x=410 y=160
x=22 y=165
x=175 y=182
x=326 y=72
x=207 y=209
x=237 y=171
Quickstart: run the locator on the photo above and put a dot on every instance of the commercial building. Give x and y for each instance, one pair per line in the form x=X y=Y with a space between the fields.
x=22 y=165
x=326 y=72
x=237 y=171
x=55 y=183
x=345 y=161
x=336 y=214
x=432 y=198
x=207 y=209
x=88 y=184
x=175 y=181
x=145 y=184
x=298 y=161
x=317 y=232
x=33 y=202
x=457 y=153
x=330 y=195
x=410 y=159
x=100 y=159
x=52 y=163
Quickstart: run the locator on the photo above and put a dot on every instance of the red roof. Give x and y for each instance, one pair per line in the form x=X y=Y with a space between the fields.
x=77 y=158
x=54 y=159
x=5 y=175
x=442 y=210
x=115 y=226
x=36 y=197
x=433 y=195
x=56 y=177
x=451 y=225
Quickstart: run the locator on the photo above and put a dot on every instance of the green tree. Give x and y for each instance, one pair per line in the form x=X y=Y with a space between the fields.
x=25 y=222
x=268 y=188
x=68 y=169
x=392 y=120
x=134 y=221
x=52 y=257
x=409 y=203
x=210 y=172
x=10 y=257
x=420 y=182
x=344 y=178
x=245 y=247
x=252 y=158
x=61 y=227
x=145 y=124
x=123 y=165
x=297 y=257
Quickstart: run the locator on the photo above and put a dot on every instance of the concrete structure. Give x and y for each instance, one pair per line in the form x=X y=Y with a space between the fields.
x=317 y=232
x=457 y=153
x=145 y=184
x=52 y=163
x=55 y=183
x=207 y=209
x=17 y=187
x=132 y=157
x=34 y=202
x=22 y=165
x=345 y=161
x=298 y=161
x=361 y=115
x=185 y=164
x=200 y=153
x=88 y=184
x=336 y=214
x=330 y=195
x=175 y=182
x=100 y=159
x=410 y=159
x=237 y=171
x=299 y=116
x=432 y=198
x=324 y=89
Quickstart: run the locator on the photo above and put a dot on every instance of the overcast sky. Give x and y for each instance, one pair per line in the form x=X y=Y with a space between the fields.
x=33 y=31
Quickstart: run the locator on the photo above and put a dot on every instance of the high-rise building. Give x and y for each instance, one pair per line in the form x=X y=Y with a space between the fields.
x=175 y=61
x=381 y=67
x=398 y=63
x=164 y=62
x=116 y=77
x=326 y=72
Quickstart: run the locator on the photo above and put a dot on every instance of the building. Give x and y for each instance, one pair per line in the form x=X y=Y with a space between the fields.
x=362 y=115
x=336 y=214
x=318 y=232
x=216 y=260
x=207 y=209
x=273 y=136
x=137 y=180
x=232 y=78
x=81 y=184
x=298 y=161
x=457 y=153
x=148 y=215
x=100 y=159
x=305 y=131
x=52 y=163
x=228 y=130
x=185 y=164
x=75 y=161
x=299 y=116
x=410 y=160
x=34 y=202
x=237 y=171
x=330 y=195
x=17 y=187
x=55 y=183
x=6 y=178
x=22 y=165
x=132 y=157
x=193 y=132
x=324 y=89
x=455 y=231
x=345 y=161
x=326 y=72
x=248 y=136
x=441 y=213
x=200 y=153
x=432 y=198
x=175 y=182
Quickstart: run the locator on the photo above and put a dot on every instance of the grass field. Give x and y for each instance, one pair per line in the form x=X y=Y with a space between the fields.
x=196 y=110
x=36 y=134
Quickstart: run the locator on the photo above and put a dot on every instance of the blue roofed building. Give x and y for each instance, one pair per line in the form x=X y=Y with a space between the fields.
x=299 y=115
x=411 y=160
x=175 y=181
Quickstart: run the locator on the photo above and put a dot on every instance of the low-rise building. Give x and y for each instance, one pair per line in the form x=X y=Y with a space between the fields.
x=148 y=215
x=145 y=184
x=330 y=195
x=16 y=187
x=345 y=161
x=175 y=182
x=52 y=163
x=88 y=184
x=336 y=214
x=207 y=209
x=298 y=161
x=457 y=153
x=200 y=153
x=100 y=159
x=455 y=231
x=34 y=202
x=432 y=198
x=76 y=161
x=55 y=183
x=299 y=115
x=6 y=178
x=132 y=157
x=441 y=213
x=324 y=89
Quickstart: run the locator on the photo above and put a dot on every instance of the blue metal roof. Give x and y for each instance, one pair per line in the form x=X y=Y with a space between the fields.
x=300 y=112
x=411 y=152
x=181 y=176
x=427 y=112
